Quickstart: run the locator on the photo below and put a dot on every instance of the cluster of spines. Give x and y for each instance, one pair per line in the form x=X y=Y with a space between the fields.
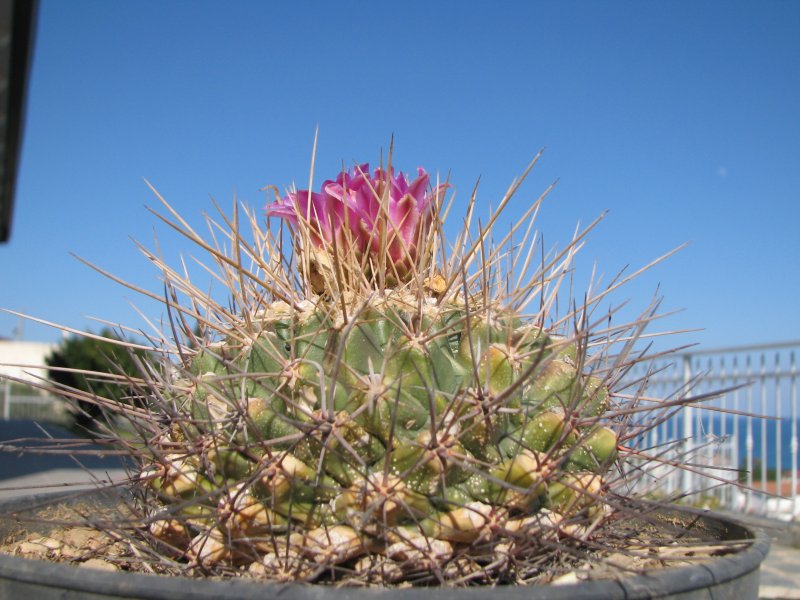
x=411 y=420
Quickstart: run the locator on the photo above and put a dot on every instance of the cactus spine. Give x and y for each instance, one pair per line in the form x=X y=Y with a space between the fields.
x=369 y=404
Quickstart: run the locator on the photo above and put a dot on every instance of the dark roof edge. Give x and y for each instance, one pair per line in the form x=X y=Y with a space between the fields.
x=23 y=31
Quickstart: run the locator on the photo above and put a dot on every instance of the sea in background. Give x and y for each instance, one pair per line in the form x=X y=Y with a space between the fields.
x=724 y=426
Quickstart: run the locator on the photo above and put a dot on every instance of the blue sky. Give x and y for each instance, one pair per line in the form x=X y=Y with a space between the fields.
x=680 y=118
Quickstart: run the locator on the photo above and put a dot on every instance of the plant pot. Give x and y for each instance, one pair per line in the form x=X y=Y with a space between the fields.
x=733 y=576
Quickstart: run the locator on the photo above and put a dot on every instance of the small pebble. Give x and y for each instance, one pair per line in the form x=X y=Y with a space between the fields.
x=96 y=563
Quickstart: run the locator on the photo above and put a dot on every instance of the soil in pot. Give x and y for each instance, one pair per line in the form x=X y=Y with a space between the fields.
x=102 y=531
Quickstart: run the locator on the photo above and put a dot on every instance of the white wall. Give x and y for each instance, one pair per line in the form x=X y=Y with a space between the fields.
x=24 y=360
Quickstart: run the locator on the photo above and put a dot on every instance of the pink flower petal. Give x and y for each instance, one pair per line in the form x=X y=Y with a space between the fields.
x=353 y=208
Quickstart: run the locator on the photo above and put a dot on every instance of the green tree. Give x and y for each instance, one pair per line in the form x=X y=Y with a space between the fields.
x=97 y=366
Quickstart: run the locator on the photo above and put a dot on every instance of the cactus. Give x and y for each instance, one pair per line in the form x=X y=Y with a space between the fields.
x=370 y=402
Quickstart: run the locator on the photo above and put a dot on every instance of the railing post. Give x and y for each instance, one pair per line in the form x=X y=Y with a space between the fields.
x=749 y=442
x=735 y=454
x=793 y=443
x=6 y=399
x=778 y=428
x=763 y=408
x=688 y=428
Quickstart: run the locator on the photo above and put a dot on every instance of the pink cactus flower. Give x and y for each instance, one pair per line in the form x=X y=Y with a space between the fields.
x=350 y=212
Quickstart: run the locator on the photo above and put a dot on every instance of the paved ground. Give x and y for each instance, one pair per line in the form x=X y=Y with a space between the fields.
x=56 y=480
x=29 y=434
x=24 y=473
x=780 y=573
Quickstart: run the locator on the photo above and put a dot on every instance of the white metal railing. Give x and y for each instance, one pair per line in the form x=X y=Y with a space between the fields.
x=747 y=434
x=30 y=406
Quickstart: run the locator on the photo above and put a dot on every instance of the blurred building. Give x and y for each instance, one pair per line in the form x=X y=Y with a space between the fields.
x=30 y=356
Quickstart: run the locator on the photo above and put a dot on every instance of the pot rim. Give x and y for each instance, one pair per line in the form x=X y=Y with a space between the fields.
x=139 y=585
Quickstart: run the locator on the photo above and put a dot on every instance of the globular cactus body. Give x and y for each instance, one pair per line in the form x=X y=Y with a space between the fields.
x=378 y=415
x=398 y=418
